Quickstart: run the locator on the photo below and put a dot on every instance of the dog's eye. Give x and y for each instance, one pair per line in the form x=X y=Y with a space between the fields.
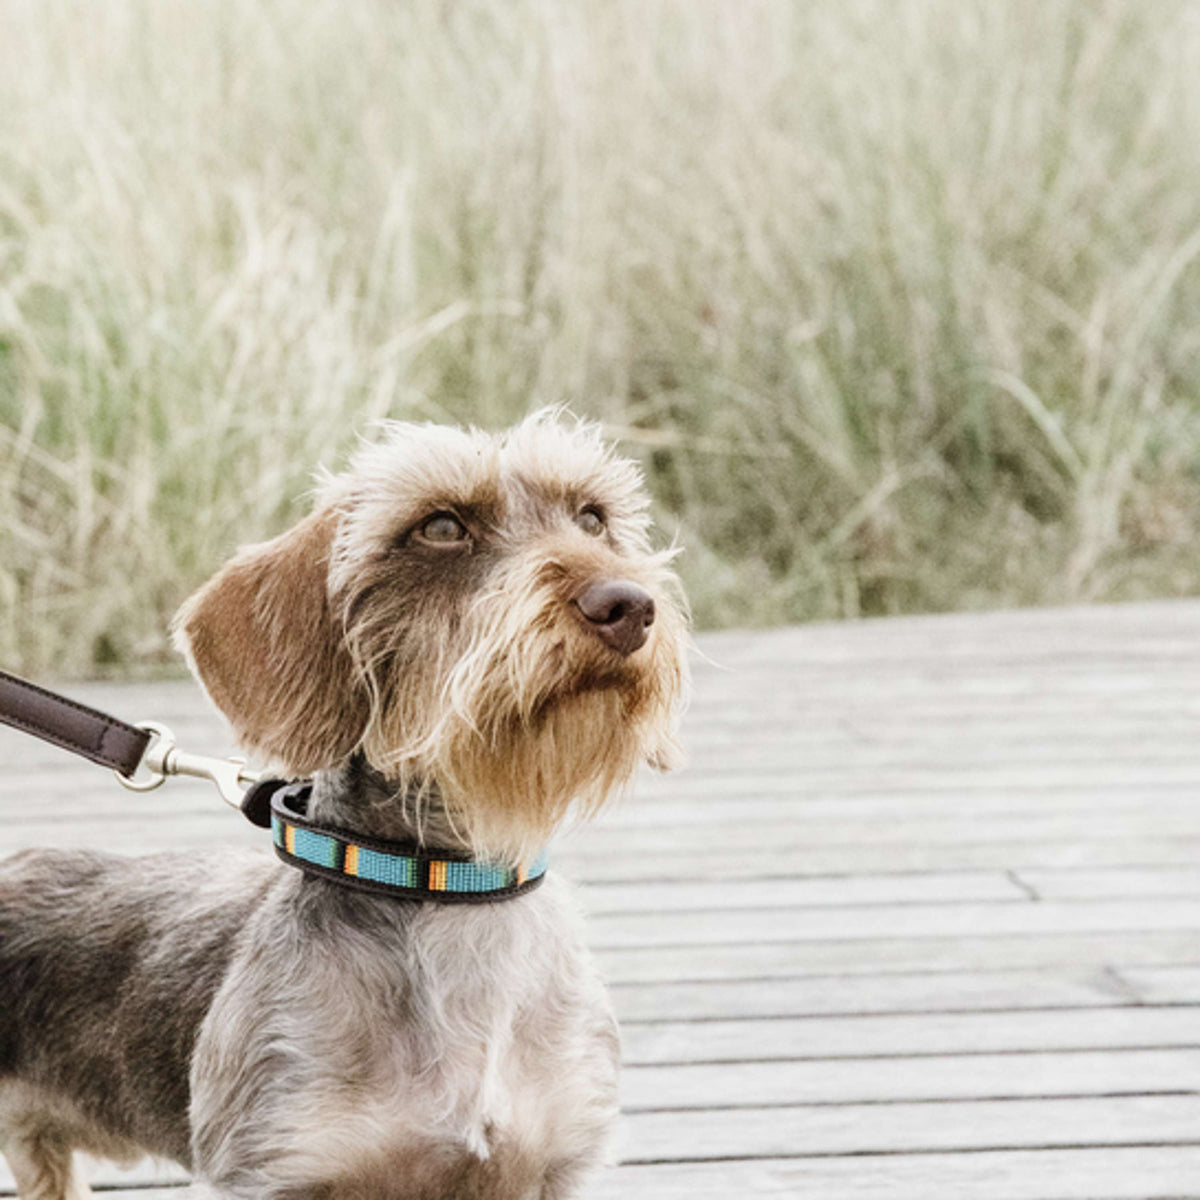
x=443 y=529
x=591 y=521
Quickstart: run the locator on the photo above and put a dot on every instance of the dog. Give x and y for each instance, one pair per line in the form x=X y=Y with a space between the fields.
x=468 y=642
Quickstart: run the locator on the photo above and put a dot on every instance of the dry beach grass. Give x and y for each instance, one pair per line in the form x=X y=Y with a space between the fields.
x=898 y=303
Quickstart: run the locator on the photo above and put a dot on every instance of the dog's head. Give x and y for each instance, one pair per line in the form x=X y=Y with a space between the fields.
x=478 y=612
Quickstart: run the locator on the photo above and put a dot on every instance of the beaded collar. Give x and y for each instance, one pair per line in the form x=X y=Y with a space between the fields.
x=402 y=870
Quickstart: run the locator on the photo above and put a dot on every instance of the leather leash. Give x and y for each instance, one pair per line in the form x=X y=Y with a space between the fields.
x=84 y=731
x=103 y=739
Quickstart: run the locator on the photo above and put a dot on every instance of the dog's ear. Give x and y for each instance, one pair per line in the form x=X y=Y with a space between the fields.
x=262 y=639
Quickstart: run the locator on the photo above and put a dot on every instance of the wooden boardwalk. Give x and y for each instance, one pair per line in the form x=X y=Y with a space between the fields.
x=921 y=920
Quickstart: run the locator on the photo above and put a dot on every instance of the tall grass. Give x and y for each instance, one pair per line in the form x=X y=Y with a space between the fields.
x=898 y=302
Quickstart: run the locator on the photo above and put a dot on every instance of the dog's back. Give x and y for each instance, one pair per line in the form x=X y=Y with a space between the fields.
x=107 y=967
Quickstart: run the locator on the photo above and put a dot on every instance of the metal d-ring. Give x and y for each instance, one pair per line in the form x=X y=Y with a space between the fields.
x=163 y=742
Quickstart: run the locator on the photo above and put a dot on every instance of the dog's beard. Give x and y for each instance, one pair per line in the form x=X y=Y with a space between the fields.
x=531 y=722
x=508 y=789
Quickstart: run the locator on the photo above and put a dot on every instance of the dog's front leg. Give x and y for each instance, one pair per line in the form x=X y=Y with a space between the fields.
x=44 y=1168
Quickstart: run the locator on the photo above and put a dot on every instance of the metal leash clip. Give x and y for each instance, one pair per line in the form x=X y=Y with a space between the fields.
x=163 y=757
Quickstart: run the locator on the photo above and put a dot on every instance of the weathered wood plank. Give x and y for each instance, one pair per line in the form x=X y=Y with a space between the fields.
x=1133 y=883
x=844 y=891
x=687 y=896
x=1178 y=984
x=905 y=1035
x=880 y=994
x=1111 y=1174
x=879 y=957
x=913 y=920
x=745 y=801
x=857 y=1129
x=1106 y=1072
x=947 y=829
x=813 y=858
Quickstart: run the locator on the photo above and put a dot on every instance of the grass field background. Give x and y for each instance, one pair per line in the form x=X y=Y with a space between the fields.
x=898 y=303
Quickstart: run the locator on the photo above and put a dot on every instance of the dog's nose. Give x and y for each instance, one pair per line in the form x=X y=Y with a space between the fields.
x=619 y=611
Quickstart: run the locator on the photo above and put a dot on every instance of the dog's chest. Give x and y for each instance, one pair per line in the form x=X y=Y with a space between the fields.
x=493 y=1042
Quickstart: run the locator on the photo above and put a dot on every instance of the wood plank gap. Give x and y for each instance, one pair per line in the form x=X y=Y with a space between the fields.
x=1003 y=1010
x=1019 y=1147
x=882 y=1056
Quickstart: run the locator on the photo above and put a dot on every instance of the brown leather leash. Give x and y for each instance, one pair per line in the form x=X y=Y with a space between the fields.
x=84 y=731
x=102 y=738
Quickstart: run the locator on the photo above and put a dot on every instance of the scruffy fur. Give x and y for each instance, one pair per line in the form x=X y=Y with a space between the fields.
x=435 y=645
